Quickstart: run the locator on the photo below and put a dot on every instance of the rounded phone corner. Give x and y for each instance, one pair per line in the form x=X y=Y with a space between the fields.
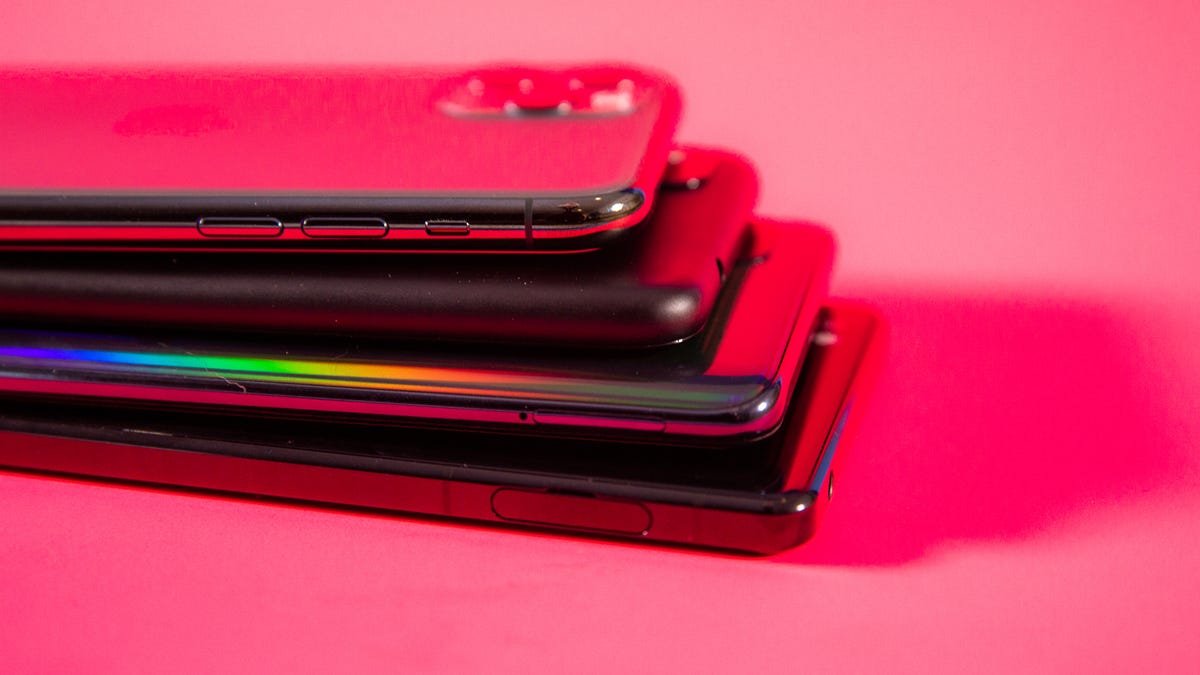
x=556 y=216
x=794 y=501
x=757 y=415
x=763 y=410
x=678 y=314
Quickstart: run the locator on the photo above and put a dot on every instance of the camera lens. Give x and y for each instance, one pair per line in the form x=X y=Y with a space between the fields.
x=526 y=92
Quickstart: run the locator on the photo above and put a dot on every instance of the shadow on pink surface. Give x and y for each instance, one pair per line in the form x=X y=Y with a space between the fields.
x=995 y=418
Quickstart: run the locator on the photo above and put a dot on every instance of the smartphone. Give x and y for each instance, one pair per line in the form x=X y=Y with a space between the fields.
x=759 y=497
x=371 y=159
x=730 y=380
x=657 y=286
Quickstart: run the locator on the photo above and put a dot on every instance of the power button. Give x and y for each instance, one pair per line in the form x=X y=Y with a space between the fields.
x=574 y=511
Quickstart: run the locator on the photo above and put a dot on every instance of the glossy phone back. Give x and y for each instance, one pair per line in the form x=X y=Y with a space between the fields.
x=438 y=158
x=316 y=131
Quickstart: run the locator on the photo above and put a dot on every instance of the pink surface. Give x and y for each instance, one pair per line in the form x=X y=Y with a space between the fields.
x=1017 y=185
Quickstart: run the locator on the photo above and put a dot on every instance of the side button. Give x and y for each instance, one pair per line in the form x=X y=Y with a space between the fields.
x=344 y=228
x=239 y=227
x=583 y=513
x=447 y=228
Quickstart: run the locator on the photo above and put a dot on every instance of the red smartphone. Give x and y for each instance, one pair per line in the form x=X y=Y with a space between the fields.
x=656 y=286
x=757 y=497
x=496 y=158
x=732 y=380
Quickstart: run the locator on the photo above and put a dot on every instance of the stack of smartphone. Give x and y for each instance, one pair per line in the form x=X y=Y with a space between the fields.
x=501 y=294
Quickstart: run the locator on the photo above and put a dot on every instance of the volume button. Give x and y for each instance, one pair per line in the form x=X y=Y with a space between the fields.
x=447 y=228
x=344 y=228
x=222 y=226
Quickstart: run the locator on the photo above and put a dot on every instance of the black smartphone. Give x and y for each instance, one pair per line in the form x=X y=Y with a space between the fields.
x=730 y=381
x=656 y=286
x=370 y=159
x=756 y=497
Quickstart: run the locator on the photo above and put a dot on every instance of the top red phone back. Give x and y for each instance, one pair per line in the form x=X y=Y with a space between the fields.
x=396 y=131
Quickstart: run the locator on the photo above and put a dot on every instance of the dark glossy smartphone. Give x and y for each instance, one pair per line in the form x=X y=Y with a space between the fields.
x=731 y=380
x=656 y=286
x=759 y=497
x=498 y=158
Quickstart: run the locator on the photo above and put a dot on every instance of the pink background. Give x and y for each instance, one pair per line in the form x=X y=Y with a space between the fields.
x=1017 y=185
